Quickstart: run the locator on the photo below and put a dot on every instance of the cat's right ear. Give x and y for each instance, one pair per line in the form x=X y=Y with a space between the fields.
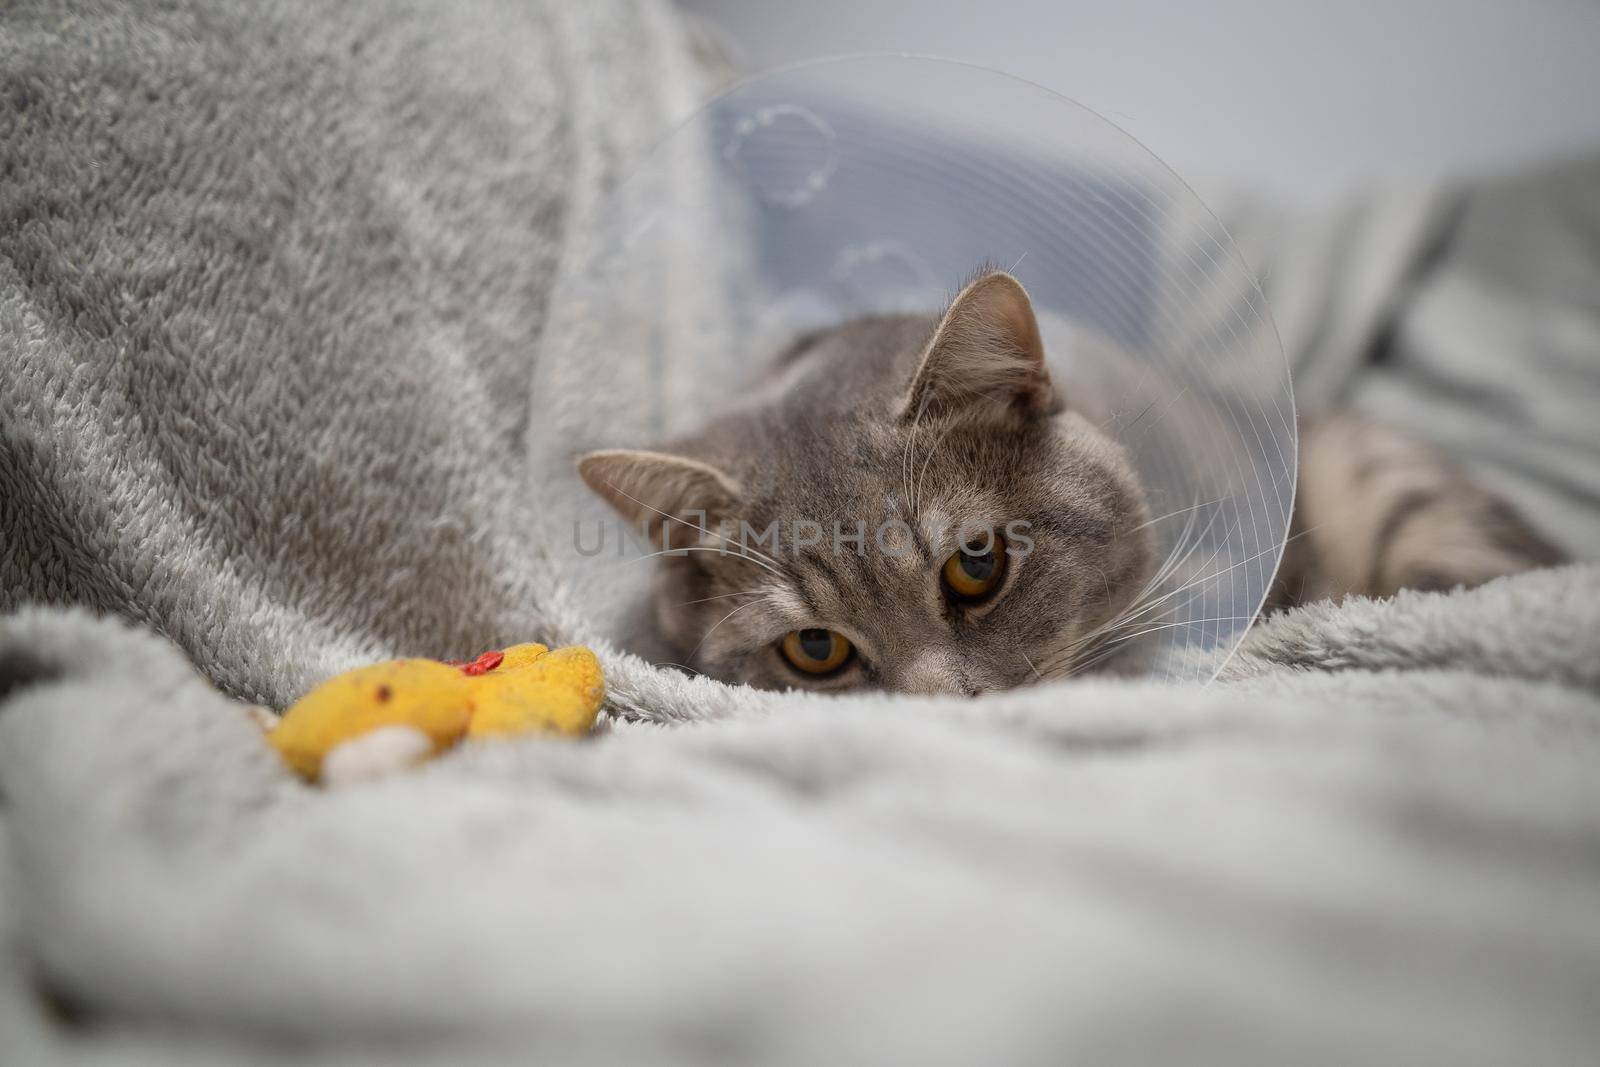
x=669 y=499
x=986 y=356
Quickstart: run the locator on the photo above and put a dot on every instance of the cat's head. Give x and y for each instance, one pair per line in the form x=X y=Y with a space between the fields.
x=905 y=504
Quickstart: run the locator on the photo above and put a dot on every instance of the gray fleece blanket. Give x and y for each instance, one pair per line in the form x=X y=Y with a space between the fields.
x=274 y=283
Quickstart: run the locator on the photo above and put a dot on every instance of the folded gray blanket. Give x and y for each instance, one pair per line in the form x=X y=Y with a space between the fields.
x=275 y=285
x=1464 y=312
x=272 y=282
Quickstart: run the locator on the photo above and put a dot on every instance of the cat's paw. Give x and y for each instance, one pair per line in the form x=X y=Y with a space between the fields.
x=1464 y=542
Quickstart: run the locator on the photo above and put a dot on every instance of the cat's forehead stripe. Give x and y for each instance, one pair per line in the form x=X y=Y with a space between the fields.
x=842 y=582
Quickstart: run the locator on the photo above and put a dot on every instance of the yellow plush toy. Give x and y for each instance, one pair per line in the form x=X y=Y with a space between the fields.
x=369 y=720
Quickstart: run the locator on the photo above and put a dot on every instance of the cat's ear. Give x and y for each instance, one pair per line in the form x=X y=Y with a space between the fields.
x=667 y=498
x=985 y=357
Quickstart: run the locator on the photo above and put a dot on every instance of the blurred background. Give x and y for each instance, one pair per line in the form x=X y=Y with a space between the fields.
x=1300 y=100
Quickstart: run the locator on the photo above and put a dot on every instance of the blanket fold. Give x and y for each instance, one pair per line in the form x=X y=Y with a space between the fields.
x=1273 y=868
x=270 y=297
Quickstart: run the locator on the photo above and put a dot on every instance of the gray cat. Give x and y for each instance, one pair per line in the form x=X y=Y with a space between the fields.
x=907 y=503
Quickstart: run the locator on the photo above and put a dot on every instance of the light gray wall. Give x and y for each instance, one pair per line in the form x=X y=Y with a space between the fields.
x=1299 y=98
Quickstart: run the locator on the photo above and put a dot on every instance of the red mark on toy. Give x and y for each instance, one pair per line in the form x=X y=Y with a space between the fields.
x=483 y=664
x=384 y=693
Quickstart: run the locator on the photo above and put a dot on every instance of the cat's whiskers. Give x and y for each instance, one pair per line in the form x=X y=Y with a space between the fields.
x=685 y=666
x=1138 y=387
x=909 y=464
x=927 y=460
x=1174 y=514
x=1037 y=676
x=1111 y=632
x=1112 y=639
x=1148 y=601
x=1164 y=411
x=1063 y=656
x=707 y=636
x=1142 y=413
x=1115 y=647
x=1114 y=644
x=706 y=548
x=721 y=596
x=1174 y=560
x=1235 y=565
x=907 y=461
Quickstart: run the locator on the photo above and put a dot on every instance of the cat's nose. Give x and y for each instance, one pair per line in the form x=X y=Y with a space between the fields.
x=937 y=674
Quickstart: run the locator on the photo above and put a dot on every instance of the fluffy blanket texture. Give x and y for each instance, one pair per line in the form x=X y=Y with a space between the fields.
x=1375 y=843
x=274 y=280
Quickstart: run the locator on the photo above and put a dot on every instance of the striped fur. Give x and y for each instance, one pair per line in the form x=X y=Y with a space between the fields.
x=1378 y=512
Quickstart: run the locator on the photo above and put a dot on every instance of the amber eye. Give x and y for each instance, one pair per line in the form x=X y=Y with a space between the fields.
x=975 y=571
x=815 y=651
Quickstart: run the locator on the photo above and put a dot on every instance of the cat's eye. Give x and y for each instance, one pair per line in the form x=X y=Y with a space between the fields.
x=975 y=571
x=815 y=651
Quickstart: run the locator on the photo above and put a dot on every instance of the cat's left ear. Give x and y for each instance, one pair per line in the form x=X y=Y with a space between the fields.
x=670 y=499
x=985 y=357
